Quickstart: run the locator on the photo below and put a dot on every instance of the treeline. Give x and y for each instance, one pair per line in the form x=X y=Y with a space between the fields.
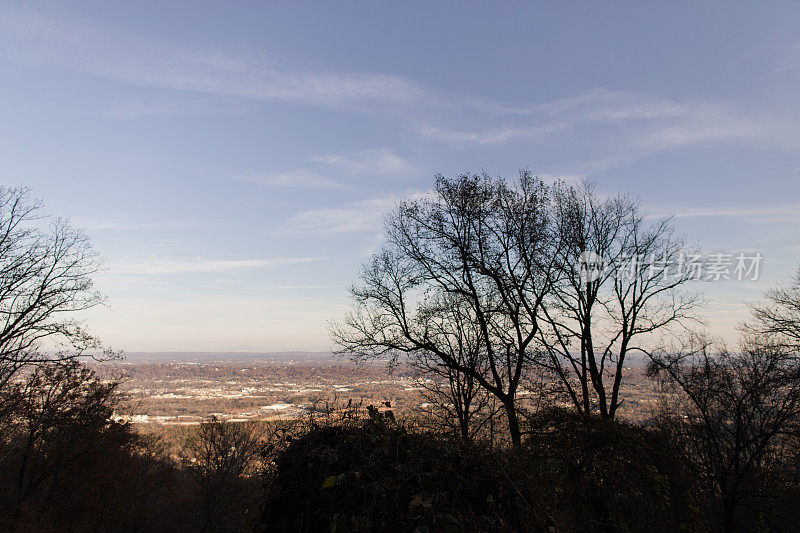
x=492 y=286
x=67 y=466
x=517 y=304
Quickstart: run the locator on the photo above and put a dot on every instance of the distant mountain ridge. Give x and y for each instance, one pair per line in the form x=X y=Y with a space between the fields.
x=233 y=357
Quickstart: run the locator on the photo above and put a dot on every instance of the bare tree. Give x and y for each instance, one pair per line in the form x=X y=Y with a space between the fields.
x=732 y=410
x=45 y=278
x=455 y=399
x=453 y=402
x=480 y=241
x=57 y=417
x=220 y=456
x=779 y=317
x=616 y=281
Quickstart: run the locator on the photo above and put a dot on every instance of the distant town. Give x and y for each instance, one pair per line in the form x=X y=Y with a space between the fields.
x=184 y=388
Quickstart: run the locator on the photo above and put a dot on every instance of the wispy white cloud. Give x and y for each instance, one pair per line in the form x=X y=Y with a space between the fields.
x=376 y=161
x=492 y=136
x=299 y=178
x=606 y=128
x=142 y=107
x=131 y=224
x=364 y=215
x=776 y=213
x=200 y=265
x=642 y=123
x=357 y=216
x=781 y=56
x=128 y=58
x=299 y=287
x=784 y=68
x=602 y=104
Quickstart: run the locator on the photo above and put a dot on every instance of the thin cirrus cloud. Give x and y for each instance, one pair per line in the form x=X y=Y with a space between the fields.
x=357 y=216
x=785 y=68
x=199 y=265
x=364 y=215
x=656 y=122
x=540 y=122
x=186 y=106
x=380 y=162
x=91 y=223
x=118 y=55
x=302 y=178
x=777 y=213
x=607 y=128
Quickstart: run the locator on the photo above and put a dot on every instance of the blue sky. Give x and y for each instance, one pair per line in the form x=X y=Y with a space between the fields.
x=232 y=161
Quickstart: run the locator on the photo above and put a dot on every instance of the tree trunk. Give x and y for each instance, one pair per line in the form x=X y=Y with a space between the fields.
x=728 y=513
x=464 y=426
x=513 y=423
x=491 y=425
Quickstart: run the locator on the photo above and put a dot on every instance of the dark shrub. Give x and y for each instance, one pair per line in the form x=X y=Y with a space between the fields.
x=612 y=476
x=379 y=477
x=574 y=473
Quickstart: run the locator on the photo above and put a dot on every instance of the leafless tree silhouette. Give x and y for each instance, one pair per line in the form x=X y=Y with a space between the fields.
x=732 y=410
x=45 y=278
x=597 y=314
x=220 y=456
x=57 y=417
x=479 y=240
x=779 y=317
